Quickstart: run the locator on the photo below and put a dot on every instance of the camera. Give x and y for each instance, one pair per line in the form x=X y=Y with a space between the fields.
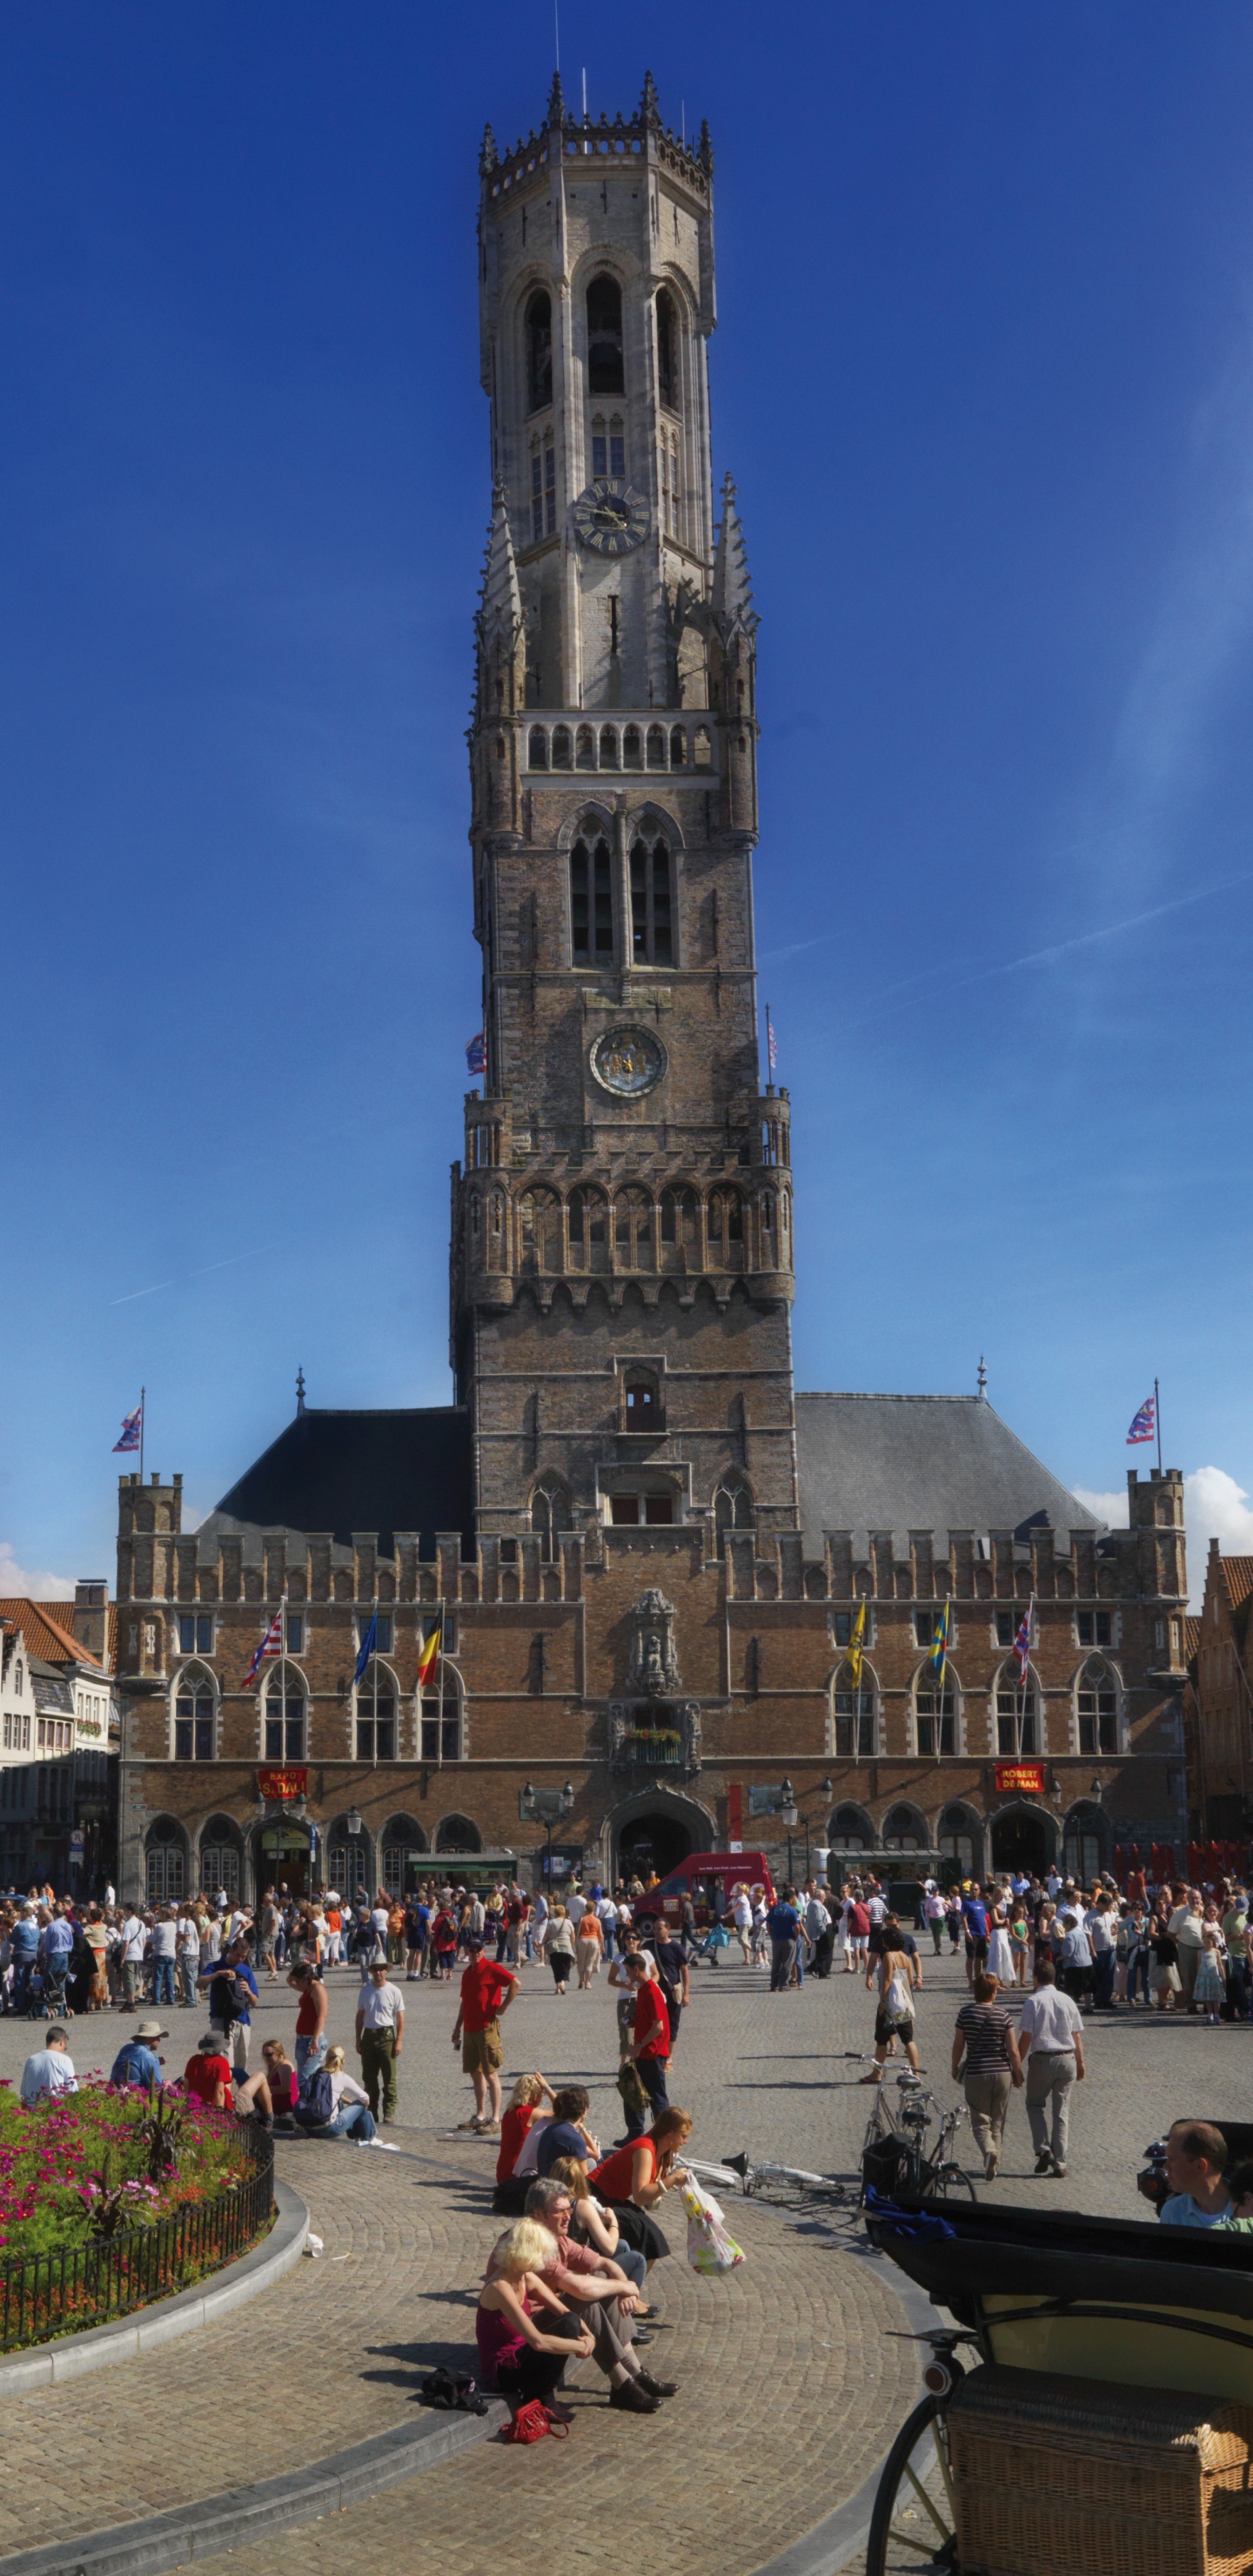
x=1152 y=2183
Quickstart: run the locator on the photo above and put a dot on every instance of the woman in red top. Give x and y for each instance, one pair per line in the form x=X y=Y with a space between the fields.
x=524 y=2101
x=633 y=2180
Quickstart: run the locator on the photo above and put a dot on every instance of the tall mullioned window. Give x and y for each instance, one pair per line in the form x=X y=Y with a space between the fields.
x=652 y=927
x=543 y=491
x=604 y=337
x=539 y=351
x=608 y=448
x=591 y=903
x=668 y=350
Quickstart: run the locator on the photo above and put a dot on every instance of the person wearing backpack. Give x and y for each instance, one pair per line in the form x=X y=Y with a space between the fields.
x=899 y=1974
x=232 y=1991
x=333 y=2105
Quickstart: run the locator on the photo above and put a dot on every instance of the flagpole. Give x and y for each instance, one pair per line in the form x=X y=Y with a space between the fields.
x=439 y=1721
x=374 y=1623
x=1157 y=1416
x=143 y=1408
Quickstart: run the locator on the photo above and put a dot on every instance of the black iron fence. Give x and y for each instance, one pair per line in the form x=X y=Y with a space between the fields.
x=90 y=2284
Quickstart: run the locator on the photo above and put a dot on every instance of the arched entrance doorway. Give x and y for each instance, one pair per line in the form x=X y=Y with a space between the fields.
x=281 y=1857
x=1022 y=1840
x=655 y=1830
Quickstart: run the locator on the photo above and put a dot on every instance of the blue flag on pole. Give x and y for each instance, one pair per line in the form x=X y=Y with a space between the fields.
x=368 y=1644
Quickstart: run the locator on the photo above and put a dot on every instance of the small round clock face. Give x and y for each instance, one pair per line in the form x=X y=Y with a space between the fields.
x=610 y=518
x=628 y=1061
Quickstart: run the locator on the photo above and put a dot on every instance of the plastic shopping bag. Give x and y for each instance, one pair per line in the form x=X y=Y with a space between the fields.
x=710 y=2248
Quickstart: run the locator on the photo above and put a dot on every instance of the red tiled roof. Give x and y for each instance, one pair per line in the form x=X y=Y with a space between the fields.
x=1191 y=1638
x=44 y=1626
x=1238 y=1577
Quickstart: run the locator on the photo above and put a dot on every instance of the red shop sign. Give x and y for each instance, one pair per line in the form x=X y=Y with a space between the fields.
x=283 y=1784
x=1028 y=1776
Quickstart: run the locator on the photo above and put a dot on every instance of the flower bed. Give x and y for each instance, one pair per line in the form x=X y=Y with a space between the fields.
x=109 y=2200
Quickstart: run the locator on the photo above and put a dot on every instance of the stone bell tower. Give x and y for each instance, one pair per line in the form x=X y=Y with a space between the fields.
x=622 y=1264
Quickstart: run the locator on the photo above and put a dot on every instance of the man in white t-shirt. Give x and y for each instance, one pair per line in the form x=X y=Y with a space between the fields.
x=164 y=1938
x=1050 y=2044
x=50 y=2070
x=134 y=1935
x=187 y=1932
x=576 y=1906
x=380 y=2029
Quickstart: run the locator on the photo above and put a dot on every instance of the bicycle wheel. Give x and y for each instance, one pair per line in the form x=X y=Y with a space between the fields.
x=950 y=2183
x=914 y=2523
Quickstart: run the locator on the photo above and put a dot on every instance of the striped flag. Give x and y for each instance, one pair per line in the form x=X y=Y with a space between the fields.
x=772 y=1051
x=369 y=1646
x=271 y=1644
x=1022 y=1643
x=939 y=1646
x=132 y=1430
x=476 y=1054
x=1144 y=1425
x=428 y=1660
x=857 y=1646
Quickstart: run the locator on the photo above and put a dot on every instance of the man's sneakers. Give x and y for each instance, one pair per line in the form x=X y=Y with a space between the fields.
x=633 y=2398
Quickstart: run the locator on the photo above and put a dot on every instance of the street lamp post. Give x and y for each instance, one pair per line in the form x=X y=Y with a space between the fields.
x=791 y=1816
x=545 y=1806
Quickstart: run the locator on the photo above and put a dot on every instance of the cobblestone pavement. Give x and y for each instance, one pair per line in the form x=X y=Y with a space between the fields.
x=791 y=2383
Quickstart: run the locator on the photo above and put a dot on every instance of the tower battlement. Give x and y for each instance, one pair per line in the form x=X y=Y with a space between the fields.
x=587 y=137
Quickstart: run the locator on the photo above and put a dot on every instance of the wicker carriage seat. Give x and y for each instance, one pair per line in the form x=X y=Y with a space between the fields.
x=1054 y=2475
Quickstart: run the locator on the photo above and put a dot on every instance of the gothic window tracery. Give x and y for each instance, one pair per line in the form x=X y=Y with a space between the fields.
x=652 y=929
x=543 y=490
x=853 y=1711
x=585 y=748
x=608 y=747
x=591 y=903
x=539 y=1231
x=656 y=747
x=678 y=747
x=679 y=1228
x=1097 y=1708
x=633 y=1229
x=589 y=1246
x=733 y=1506
x=539 y=350
x=1015 y=1712
x=537 y=748
x=604 y=337
x=632 y=748
x=561 y=746
x=550 y=1514
x=285 y=1716
x=726 y=1229
x=935 y=1711
x=668 y=351
x=608 y=447
x=193 y=1716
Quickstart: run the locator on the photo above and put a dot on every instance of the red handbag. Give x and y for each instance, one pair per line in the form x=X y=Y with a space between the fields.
x=531 y=2423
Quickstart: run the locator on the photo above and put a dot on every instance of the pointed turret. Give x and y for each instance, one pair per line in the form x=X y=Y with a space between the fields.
x=488 y=154
x=556 y=102
x=705 y=153
x=731 y=597
x=649 y=107
x=500 y=622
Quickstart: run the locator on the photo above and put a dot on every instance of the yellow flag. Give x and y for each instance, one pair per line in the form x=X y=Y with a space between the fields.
x=856 y=1645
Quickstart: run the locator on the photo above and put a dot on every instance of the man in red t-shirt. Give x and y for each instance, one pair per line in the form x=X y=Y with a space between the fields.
x=487 y=1990
x=208 y=2073
x=649 y=2051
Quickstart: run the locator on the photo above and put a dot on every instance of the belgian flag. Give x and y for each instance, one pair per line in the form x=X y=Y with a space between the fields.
x=428 y=1660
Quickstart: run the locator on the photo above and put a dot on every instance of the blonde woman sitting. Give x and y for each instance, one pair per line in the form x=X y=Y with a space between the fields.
x=525 y=2333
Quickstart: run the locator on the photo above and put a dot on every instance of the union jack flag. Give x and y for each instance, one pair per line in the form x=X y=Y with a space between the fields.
x=1022 y=1644
x=772 y=1052
x=1144 y=1425
x=132 y=1426
x=271 y=1644
x=476 y=1054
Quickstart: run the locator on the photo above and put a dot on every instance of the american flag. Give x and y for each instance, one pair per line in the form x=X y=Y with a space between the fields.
x=1144 y=1424
x=1022 y=1644
x=476 y=1054
x=132 y=1429
x=271 y=1644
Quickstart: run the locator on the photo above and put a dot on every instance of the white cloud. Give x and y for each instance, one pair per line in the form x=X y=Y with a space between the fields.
x=19 y=1582
x=1214 y=1506
x=1107 y=1507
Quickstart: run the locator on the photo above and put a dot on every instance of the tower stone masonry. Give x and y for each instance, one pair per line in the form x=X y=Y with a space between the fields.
x=647 y=1556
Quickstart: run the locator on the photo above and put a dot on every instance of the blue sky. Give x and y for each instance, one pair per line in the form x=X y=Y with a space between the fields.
x=984 y=376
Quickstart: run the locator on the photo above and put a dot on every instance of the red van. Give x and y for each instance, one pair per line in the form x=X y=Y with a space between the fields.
x=702 y=1876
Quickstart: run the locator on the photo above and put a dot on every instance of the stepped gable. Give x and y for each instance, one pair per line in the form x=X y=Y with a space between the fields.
x=344 y=1471
x=937 y=1462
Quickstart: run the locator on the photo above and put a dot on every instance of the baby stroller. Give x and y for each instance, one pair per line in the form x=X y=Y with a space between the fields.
x=715 y=1942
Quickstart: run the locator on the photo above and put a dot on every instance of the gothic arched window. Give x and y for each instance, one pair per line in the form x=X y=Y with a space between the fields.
x=604 y=337
x=539 y=1231
x=680 y=1233
x=668 y=351
x=589 y=1245
x=550 y=1514
x=193 y=1716
x=543 y=490
x=285 y=1716
x=591 y=903
x=904 y=1830
x=853 y=1712
x=678 y=747
x=632 y=748
x=539 y=350
x=608 y=747
x=1015 y=1712
x=935 y=1711
x=656 y=746
x=537 y=748
x=850 y=1830
x=561 y=747
x=726 y=1230
x=376 y=1715
x=585 y=748
x=733 y=1506
x=652 y=929
x=633 y=1229
x=608 y=447
x=1097 y=1707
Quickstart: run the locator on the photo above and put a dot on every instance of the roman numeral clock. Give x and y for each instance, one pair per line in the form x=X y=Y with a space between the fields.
x=611 y=518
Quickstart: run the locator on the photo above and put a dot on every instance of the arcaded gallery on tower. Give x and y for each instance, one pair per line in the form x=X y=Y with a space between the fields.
x=644 y=1551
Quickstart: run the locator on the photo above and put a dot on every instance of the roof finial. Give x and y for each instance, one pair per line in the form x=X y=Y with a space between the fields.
x=487 y=156
x=705 y=153
x=300 y=1390
x=650 y=108
x=556 y=102
x=983 y=1380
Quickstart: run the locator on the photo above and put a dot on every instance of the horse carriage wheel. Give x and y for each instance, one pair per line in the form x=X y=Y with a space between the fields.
x=914 y=2522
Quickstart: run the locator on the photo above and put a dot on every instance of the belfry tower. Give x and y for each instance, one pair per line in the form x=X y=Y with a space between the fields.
x=622 y=1230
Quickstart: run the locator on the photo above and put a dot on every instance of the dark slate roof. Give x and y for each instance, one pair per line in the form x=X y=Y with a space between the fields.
x=362 y=1471
x=937 y=1462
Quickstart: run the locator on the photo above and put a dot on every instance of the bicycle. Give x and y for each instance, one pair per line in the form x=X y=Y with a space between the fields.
x=895 y=2156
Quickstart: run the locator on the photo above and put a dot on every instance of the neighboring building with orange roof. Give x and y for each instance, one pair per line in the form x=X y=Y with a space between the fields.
x=58 y=1741
x=1219 y=1707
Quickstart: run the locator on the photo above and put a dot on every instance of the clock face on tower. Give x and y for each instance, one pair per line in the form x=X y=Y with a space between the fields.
x=610 y=518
